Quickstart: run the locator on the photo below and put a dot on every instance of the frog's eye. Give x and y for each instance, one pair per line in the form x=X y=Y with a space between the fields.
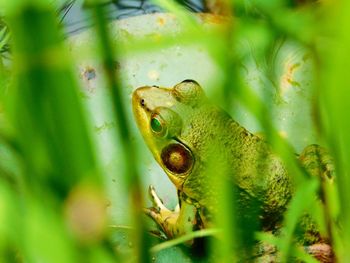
x=177 y=158
x=158 y=125
x=165 y=122
x=188 y=92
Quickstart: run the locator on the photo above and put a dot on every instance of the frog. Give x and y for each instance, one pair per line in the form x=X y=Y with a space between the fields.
x=202 y=148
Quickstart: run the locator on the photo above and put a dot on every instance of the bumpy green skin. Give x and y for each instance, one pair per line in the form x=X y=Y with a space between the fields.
x=222 y=152
x=215 y=138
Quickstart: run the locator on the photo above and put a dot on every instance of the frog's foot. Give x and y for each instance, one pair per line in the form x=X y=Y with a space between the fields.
x=165 y=218
x=321 y=251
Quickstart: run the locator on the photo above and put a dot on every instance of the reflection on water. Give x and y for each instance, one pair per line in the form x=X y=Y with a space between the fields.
x=75 y=20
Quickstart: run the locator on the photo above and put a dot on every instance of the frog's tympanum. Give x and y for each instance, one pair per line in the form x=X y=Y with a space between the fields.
x=201 y=149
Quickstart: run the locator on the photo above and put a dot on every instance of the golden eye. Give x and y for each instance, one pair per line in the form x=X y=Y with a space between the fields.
x=177 y=158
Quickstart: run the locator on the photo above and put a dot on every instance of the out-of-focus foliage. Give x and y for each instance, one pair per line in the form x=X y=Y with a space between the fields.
x=4 y=38
x=52 y=194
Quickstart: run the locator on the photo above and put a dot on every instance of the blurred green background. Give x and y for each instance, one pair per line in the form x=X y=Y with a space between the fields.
x=74 y=168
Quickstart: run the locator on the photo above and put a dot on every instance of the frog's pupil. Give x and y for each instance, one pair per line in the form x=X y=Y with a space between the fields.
x=156 y=125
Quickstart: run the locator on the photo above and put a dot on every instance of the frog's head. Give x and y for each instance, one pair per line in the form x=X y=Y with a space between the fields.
x=165 y=119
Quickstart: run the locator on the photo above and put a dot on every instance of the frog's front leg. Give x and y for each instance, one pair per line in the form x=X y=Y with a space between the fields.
x=175 y=223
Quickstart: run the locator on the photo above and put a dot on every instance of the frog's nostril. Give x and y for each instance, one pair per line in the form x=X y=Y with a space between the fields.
x=142 y=102
x=155 y=86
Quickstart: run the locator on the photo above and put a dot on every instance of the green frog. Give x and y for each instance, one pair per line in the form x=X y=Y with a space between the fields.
x=202 y=149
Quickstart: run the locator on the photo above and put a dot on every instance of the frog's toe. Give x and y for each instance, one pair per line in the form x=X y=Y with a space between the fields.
x=158 y=234
x=159 y=214
x=159 y=219
x=156 y=201
x=162 y=216
x=165 y=219
x=153 y=213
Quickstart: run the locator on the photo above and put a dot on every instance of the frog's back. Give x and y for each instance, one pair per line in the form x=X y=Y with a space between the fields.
x=260 y=174
x=226 y=152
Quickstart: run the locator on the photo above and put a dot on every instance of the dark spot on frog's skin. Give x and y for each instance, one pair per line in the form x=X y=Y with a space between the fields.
x=189 y=219
x=155 y=86
x=89 y=73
